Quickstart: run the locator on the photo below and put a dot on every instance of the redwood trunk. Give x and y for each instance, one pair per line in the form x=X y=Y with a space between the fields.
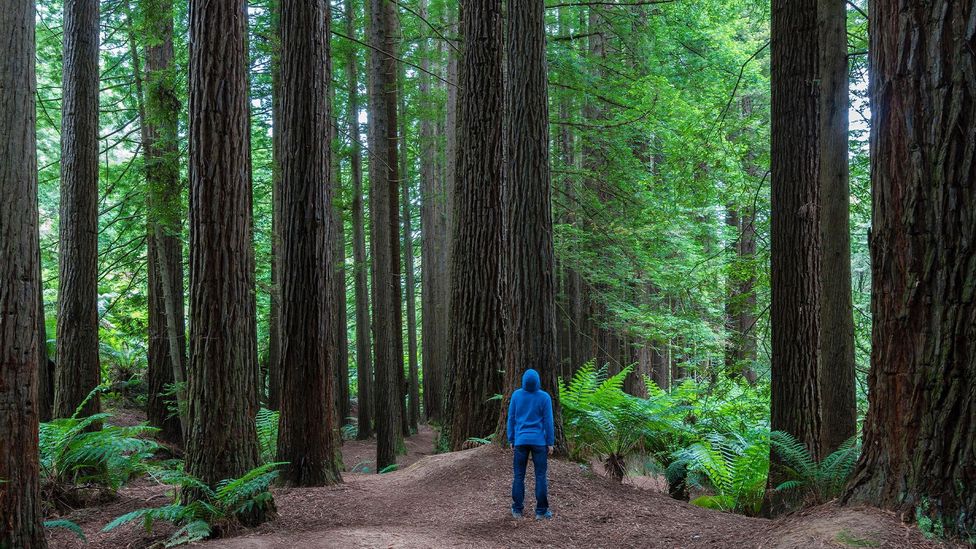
x=364 y=353
x=20 y=494
x=836 y=375
x=385 y=227
x=477 y=350
x=223 y=372
x=529 y=290
x=920 y=429
x=308 y=355
x=795 y=251
x=77 y=338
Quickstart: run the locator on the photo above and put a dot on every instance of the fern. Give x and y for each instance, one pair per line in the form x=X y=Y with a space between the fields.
x=267 y=429
x=67 y=525
x=808 y=480
x=196 y=519
x=735 y=467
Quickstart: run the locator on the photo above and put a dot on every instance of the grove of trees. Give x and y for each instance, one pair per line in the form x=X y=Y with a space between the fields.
x=272 y=226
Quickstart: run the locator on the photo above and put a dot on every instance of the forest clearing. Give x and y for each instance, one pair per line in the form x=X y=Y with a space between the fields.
x=491 y=273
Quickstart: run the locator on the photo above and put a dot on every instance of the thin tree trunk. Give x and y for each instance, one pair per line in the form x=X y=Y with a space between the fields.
x=338 y=304
x=364 y=354
x=223 y=373
x=45 y=368
x=476 y=305
x=919 y=436
x=836 y=375
x=795 y=228
x=527 y=255
x=274 y=312
x=307 y=424
x=385 y=228
x=413 y=383
x=20 y=493
x=77 y=338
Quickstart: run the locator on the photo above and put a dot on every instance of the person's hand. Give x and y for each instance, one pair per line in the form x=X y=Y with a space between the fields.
x=551 y=450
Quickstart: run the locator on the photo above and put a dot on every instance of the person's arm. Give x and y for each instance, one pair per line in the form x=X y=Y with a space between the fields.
x=510 y=429
x=550 y=427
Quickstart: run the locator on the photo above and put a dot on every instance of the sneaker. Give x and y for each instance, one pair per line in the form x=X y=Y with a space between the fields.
x=543 y=516
x=516 y=514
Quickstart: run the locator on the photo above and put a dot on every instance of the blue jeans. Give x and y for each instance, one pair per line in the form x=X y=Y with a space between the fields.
x=540 y=465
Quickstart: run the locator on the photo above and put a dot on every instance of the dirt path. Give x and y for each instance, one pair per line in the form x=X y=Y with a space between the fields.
x=461 y=499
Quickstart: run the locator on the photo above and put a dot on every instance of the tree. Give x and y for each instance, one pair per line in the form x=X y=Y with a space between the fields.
x=364 y=353
x=160 y=140
x=529 y=289
x=476 y=306
x=77 y=338
x=435 y=290
x=223 y=372
x=413 y=382
x=274 y=315
x=836 y=373
x=308 y=353
x=918 y=433
x=385 y=228
x=795 y=248
x=20 y=284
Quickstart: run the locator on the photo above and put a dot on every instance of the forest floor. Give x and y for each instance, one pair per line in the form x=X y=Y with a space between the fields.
x=461 y=499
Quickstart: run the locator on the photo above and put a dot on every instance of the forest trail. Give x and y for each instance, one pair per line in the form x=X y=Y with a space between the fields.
x=461 y=499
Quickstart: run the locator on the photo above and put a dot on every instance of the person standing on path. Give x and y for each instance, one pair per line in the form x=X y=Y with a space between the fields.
x=531 y=432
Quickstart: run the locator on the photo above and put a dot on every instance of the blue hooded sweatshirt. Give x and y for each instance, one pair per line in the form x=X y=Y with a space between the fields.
x=530 y=414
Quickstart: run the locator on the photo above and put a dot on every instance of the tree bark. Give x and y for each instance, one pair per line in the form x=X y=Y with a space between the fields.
x=159 y=115
x=413 y=381
x=920 y=427
x=45 y=367
x=307 y=422
x=77 y=338
x=529 y=291
x=795 y=250
x=476 y=330
x=274 y=312
x=836 y=374
x=364 y=354
x=338 y=305
x=223 y=373
x=20 y=284
x=385 y=228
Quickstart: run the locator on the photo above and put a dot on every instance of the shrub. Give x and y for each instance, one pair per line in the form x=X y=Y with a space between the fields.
x=734 y=467
x=808 y=481
x=211 y=513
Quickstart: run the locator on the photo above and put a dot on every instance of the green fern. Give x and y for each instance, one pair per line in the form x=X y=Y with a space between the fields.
x=196 y=519
x=267 y=429
x=67 y=525
x=735 y=467
x=807 y=480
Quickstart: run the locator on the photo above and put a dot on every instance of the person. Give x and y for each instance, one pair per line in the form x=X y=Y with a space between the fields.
x=531 y=432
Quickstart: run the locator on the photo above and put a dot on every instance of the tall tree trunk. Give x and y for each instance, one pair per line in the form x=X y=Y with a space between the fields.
x=45 y=367
x=338 y=304
x=413 y=382
x=919 y=431
x=77 y=338
x=364 y=353
x=20 y=493
x=432 y=250
x=795 y=251
x=223 y=372
x=527 y=255
x=836 y=375
x=476 y=306
x=159 y=115
x=385 y=228
x=308 y=355
x=274 y=312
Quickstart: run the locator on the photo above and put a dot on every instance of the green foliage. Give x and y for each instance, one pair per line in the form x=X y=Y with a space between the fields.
x=67 y=525
x=389 y=468
x=735 y=468
x=73 y=451
x=602 y=421
x=212 y=508
x=267 y=429
x=807 y=480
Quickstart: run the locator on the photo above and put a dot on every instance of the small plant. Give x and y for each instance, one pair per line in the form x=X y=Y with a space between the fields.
x=212 y=510
x=73 y=452
x=603 y=422
x=67 y=525
x=808 y=481
x=351 y=429
x=734 y=466
x=267 y=429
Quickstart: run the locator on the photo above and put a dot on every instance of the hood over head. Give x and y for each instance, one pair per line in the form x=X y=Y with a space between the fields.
x=530 y=380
